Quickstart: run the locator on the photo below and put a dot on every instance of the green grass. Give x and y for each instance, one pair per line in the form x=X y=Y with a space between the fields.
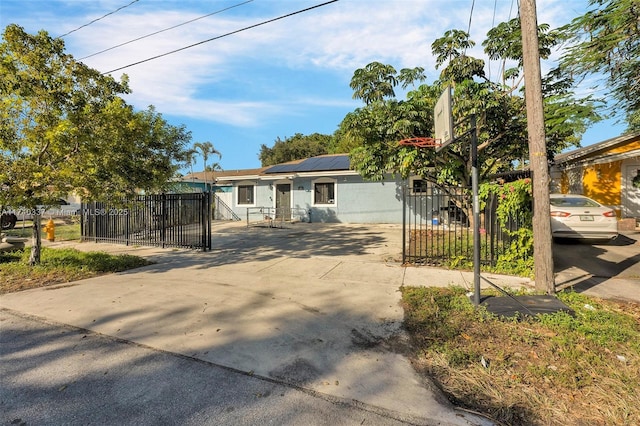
x=63 y=231
x=454 y=250
x=552 y=369
x=60 y=266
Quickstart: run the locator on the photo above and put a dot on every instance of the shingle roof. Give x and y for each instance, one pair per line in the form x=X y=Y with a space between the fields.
x=211 y=176
x=321 y=163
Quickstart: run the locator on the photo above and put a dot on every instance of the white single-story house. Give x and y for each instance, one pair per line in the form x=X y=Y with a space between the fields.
x=317 y=189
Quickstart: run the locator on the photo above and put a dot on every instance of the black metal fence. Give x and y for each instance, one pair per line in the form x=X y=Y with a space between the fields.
x=164 y=220
x=437 y=228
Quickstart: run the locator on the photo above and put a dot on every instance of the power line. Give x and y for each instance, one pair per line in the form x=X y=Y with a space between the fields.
x=493 y=19
x=493 y=23
x=473 y=3
x=97 y=19
x=166 y=29
x=221 y=36
x=501 y=71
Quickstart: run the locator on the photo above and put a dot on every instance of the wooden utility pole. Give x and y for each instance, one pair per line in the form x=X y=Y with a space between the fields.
x=542 y=248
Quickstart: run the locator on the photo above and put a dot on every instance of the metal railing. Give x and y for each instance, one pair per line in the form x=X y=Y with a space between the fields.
x=275 y=217
x=437 y=228
x=164 y=220
x=221 y=211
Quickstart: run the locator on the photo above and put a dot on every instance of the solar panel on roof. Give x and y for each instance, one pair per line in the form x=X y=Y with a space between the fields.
x=280 y=168
x=314 y=164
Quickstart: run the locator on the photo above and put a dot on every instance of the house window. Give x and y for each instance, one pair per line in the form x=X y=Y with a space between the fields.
x=324 y=192
x=245 y=194
x=418 y=186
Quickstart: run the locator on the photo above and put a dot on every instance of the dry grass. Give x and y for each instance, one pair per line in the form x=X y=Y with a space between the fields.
x=553 y=370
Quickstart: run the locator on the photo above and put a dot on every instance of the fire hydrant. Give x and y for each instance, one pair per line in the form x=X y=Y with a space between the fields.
x=50 y=229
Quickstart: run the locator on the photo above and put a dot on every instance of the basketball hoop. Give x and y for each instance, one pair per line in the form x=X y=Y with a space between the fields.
x=420 y=142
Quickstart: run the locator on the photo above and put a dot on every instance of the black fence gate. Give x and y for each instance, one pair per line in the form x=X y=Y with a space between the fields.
x=437 y=228
x=164 y=220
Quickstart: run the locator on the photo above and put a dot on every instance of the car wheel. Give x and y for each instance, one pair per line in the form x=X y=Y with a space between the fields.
x=8 y=221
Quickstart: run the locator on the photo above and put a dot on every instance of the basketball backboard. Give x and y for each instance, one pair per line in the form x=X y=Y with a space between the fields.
x=443 y=119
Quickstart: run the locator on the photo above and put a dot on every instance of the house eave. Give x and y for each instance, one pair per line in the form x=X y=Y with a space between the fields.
x=237 y=178
x=287 y=176
x=597 y=150
x=290 y=176
x=328 y=173
x=601 y=159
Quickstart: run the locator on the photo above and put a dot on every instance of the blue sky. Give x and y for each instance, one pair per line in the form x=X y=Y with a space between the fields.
x=275 y=80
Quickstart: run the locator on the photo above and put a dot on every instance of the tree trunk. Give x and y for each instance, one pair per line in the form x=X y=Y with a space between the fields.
x=542 y=248
x=34 y=258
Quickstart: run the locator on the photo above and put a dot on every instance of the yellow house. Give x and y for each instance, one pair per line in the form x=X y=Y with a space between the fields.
x=607 y=171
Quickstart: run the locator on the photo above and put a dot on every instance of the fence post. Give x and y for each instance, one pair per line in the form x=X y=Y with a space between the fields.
x=404 y=223
x=127 y=223
x=82 y=224
x=205 y=211
x=208 y=205
x=204 y=208
x=210 y=216
x=163 y=229
x=94 y=218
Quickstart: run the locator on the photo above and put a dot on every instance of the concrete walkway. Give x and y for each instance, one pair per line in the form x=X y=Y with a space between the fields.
x=313 y=306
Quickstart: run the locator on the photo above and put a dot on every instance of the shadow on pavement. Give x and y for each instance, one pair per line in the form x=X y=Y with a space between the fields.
x=241 y=244
x=54 y=374
x=232 y=308
x=585 y=265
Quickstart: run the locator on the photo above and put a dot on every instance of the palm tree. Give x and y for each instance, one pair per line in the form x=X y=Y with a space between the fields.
x=206 y=149
x=190 y=158
x=214 y=167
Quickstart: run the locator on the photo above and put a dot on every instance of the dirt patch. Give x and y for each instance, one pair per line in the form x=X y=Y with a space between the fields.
x=298 y=372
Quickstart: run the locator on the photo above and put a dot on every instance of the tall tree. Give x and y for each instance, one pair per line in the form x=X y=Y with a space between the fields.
x=499 y=107
x=213 y=167
x=190 y=158
x=376 y=81
x=606 y=41
x=64 y=128
x=297 y=147
x=206 y=149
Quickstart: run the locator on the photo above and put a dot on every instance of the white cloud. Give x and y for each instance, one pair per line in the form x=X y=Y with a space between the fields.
x=337 y=38
x=284 y=77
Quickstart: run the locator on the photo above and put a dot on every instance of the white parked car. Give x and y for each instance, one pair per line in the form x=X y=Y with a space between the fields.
x=577 y=216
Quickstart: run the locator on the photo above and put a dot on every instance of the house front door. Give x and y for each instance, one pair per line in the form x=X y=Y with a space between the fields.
x=630 y=193
x=283 y=201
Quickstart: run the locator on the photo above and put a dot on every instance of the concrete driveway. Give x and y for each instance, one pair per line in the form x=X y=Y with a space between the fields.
x=310 y=313
x=610 y=270
x=314 y=307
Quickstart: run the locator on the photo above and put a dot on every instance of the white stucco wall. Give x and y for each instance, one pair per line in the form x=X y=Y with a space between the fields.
x=357 y=200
